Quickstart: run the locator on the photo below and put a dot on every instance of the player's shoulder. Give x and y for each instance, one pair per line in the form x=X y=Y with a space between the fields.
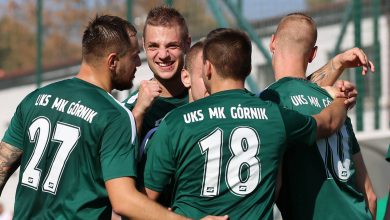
x=293 y=83
x=44 y=90
x=175 y=117
x=131 y=100
x=66 y=84
x=112 y=105
x=272 y=92
x=288 y=83
x=174 y=113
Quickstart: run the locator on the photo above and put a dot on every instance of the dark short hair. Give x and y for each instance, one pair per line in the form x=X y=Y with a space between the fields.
x=105 y=34
x=230 y=52
x=191 y=55
x=167 y=17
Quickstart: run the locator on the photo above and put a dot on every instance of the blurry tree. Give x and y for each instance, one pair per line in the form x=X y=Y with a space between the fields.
x=16 y=51
x=198 y=17
x=64 y=21
x=18 y=33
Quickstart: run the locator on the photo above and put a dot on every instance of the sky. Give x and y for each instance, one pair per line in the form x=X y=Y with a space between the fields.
x=258 y=9
x=253 y=9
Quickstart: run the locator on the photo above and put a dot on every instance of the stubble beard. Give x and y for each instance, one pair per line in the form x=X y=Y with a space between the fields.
x=118 y=83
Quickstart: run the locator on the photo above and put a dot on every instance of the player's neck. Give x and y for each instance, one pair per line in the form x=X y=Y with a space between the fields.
x=289 y=67
x=226 y=84
x=290 y=74
x=90 y=75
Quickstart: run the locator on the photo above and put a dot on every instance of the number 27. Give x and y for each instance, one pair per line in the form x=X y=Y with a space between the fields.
x=39 y=132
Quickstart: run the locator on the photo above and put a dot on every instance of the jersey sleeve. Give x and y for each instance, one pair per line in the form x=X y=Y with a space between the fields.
x=353 y=141
x=388 y=154
x=160 y=161
x=130 y=102
x=118 y=151
x=15 y=132
x=300 y=129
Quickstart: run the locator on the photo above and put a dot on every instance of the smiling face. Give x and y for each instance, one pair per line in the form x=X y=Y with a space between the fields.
x=165 y=50
x=123 y=76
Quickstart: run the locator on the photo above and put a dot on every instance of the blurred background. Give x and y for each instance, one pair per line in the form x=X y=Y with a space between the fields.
x=40 y=43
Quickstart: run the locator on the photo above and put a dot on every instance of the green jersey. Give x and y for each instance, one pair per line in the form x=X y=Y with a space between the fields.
x=388 y=154
x=74 y=137
x=160 y=107
x=222 y=153
x=319 y=180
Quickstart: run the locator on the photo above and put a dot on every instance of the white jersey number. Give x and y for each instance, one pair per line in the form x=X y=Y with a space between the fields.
x=335 y=150
x=244 y=146
x=39 y=133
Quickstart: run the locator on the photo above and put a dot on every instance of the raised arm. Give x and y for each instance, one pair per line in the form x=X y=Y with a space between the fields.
x=330 y=119
x=9 y=162
x=330 y=72
x=149 y=90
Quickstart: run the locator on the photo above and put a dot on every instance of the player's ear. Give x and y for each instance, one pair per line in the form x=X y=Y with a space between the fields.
x=112 y=61
x=186 y=78
x=272 y=44
x=207 y=69
x=313 y=54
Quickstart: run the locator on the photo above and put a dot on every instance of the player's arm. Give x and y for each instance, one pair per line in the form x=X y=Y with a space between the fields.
x=331 y=118
x=330 y=72
x=149 y=90
x=9 y=161
x=151 y=194
x=127 y=201
x=364 y=184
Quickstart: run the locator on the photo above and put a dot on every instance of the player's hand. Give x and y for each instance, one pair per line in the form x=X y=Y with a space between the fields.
x=332 y=91
x=354 y=57
x=149 y=90
x=348 y=91
x=210 y=217
x=343 y=89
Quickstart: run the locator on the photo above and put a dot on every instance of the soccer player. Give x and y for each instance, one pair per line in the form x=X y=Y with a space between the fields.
x=326 y=179
x=191 y=75
x=165 y=40
x=223 y=151
x=75 y=143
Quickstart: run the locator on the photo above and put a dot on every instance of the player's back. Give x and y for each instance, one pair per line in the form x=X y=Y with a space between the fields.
x=64 y=131
x=225 y=150
x=311 y=173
